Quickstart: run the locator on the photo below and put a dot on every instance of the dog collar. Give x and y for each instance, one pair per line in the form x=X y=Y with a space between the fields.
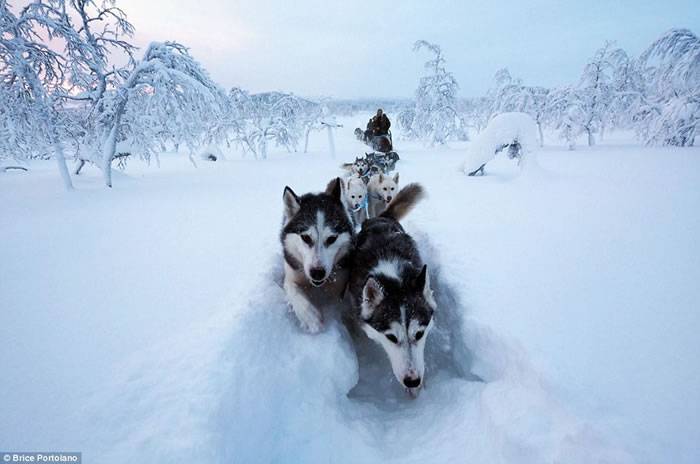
x=362 y=205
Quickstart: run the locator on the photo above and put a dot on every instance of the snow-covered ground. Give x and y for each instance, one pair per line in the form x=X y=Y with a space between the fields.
x=145 y=323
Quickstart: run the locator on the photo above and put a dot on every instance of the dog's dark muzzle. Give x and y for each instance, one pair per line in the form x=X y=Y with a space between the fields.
x=317 y=276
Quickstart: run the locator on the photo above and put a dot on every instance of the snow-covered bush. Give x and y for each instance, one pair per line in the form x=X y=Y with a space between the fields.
x=512 y=133
x=435 y=118
x=670 y=112
x=276 y=117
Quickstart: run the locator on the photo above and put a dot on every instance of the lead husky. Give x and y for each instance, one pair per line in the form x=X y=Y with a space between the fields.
x=390 y=290
x=317 y=237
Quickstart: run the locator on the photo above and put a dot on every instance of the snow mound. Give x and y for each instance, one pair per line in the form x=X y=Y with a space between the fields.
x=252 y=387
x=504 y=128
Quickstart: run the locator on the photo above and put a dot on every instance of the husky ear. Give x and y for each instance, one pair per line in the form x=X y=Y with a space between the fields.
x=291 y=203
x=423 y=284
x=372 y=295
x=381 y=177
x=333 y=188
x=396 y=178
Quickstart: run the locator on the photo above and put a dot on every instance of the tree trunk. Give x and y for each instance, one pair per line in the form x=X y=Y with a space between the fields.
x=62 y=168
x=306 y=139
x=108 y=151
x=539 y=129
x=591 y=140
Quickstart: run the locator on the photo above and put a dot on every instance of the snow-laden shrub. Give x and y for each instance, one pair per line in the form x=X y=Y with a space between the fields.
x=670 y=113
x=512 y=133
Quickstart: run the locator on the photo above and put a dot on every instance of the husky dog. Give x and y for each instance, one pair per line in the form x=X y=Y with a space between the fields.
x=355 y=197
x=390 y=290
x=359 y=167
x=381 y=189
x=317 y=237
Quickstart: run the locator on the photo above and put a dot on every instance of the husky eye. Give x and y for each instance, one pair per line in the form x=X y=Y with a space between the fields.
x=307 y=239
x=392 y=338
x=385 y=189
x=392 y=188
x=331 y=240
x=352 y=196
x=359 y=196
x=419 y=335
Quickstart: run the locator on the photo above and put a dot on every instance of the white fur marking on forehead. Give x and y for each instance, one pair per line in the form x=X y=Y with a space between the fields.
x=320 y=222
x=388 y=268
x=414 y=326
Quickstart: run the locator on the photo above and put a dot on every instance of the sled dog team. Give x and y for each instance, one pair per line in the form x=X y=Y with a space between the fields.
x=379 y=266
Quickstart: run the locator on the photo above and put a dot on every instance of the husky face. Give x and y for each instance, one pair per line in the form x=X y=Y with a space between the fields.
x=360 y=166
x=317 y=232
x=384 y=186
x=397 y=313
x=355 y=192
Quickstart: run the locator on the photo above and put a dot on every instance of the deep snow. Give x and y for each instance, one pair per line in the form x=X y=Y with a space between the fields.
x=145 y=323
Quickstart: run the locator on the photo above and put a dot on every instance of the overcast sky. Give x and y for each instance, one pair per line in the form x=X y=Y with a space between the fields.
x=364 y=49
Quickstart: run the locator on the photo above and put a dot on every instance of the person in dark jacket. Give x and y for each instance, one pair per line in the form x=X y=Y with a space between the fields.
x=380 y=124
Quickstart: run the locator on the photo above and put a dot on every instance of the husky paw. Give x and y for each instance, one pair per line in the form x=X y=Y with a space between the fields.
x=310 y=319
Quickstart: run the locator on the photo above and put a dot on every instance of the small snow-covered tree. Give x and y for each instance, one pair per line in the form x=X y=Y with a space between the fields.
x=168 y=96
x=435 y=117
x=628 y=91
x=670 y=112
x=269 y=117
x=596 y=91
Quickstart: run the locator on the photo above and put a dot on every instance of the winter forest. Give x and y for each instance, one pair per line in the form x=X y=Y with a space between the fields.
x=377 y=232
x=76 y=90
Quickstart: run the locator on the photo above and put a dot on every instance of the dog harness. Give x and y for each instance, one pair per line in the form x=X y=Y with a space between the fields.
x=364 y=204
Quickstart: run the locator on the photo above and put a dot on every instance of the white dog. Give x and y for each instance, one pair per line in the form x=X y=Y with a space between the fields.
x=381 y=190
x=355 y=199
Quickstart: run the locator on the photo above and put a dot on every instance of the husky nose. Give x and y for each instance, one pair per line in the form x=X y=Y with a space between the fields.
x=411 y=382
x=389 y=198
x=317 y=273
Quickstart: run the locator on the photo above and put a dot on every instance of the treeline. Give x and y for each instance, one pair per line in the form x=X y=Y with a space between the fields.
x=656 y=94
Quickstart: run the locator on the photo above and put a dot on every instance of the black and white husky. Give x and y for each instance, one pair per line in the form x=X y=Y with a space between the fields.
x=390 y=289
x=317 y=237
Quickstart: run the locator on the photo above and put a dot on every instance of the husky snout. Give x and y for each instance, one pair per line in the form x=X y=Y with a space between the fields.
x=317 y=276
x=412 y=379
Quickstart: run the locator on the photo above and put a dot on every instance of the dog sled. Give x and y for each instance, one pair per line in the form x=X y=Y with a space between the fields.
x=379 y=143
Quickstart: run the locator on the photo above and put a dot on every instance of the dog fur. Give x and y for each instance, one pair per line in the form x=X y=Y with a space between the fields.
x=317 y=237
x=389 y=288
x=381 y=189
x=355 y=198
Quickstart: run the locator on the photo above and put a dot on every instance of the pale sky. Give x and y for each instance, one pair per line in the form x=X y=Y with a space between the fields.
x=364 y=49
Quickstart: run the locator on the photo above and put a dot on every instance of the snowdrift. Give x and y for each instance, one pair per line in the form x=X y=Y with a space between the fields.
x=252 y=387
x=504 y=128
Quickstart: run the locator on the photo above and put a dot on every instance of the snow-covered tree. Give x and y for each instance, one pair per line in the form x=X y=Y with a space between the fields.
x=670 y=112
x=168 y=97
x=596 y=91
x=275 y=117
x=435 y=117
x=30 y=74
